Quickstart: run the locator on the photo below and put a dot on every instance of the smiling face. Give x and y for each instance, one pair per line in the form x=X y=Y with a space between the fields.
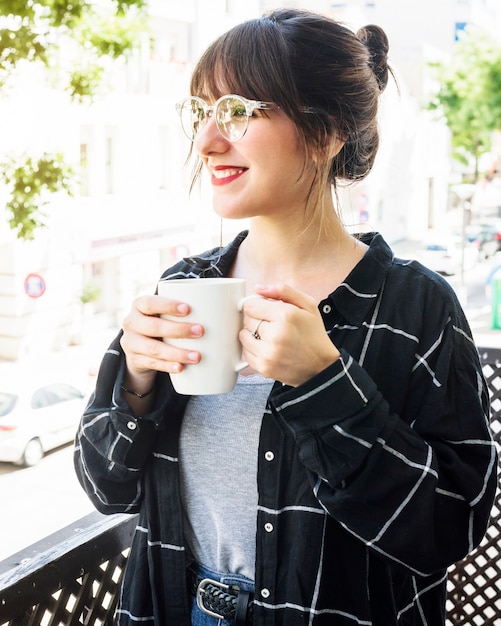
x=262 y=174
x=267 y=170
x=329 y=92
x=324 y=130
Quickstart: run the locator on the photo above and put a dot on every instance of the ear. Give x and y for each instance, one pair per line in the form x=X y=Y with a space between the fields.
x=335 y=147
x=329 y=150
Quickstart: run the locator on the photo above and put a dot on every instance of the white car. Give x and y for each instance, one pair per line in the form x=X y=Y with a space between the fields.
x=444 y=255
x=36 y=420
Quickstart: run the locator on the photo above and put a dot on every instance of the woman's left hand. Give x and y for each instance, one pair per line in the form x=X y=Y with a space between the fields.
x=293 y=344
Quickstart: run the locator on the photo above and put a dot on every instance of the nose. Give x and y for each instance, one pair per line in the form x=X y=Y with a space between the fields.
x=209 y=139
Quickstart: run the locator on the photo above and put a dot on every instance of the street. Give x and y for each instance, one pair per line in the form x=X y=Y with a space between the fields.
x=40 y=500
x=37 y=501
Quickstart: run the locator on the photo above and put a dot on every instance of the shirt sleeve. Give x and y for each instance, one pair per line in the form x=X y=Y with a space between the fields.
x=112 y=445
x=417 y=491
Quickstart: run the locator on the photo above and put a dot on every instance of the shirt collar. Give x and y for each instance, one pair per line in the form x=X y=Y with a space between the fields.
x=356 y=295
x=218 y=261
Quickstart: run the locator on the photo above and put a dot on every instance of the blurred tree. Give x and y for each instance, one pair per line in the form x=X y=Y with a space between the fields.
x=75 y=41
x=30 y=183
x=91 y=34
x=469 y=96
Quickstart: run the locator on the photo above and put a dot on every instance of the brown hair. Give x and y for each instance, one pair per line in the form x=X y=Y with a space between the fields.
x=299 y=59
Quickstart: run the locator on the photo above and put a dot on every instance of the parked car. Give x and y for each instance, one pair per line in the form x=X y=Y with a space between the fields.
x=496 y=228
x=36 y=420
x=443 y=255
x=486 y=238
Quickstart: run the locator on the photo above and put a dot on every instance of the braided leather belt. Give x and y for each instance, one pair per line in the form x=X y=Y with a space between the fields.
x=228 y=602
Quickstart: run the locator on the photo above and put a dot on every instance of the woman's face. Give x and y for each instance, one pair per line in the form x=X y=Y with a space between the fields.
x=262 y=174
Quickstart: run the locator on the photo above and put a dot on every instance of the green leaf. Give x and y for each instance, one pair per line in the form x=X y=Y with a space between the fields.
x=29 y=183
x=468 y=97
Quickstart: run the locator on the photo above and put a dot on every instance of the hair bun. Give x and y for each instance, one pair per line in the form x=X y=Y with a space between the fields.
x=376 y=41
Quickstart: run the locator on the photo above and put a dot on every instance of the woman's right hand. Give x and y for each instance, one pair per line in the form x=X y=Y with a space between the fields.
x=145 y=340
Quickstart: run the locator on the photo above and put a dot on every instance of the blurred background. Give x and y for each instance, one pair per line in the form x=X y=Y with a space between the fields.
x=94 y=199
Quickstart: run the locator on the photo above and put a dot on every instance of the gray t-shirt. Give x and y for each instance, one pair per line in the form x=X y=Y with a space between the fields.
x=218 y=466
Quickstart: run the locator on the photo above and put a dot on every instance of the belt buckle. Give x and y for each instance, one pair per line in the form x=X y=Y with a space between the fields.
x=199 y=595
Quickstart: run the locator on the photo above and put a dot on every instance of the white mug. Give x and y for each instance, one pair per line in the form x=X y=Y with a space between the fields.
x=216 y=304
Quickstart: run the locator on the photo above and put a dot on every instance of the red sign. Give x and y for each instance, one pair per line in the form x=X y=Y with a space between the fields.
x=34 y=285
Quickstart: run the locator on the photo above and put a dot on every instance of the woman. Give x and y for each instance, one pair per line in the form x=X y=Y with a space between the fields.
x=353 y=463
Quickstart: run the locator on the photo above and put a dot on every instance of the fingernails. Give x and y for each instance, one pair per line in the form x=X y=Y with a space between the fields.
x=193 y=356
x=196 y=330
x=182 y=308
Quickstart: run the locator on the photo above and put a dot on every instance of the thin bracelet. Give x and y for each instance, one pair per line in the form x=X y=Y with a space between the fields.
x=138 y=395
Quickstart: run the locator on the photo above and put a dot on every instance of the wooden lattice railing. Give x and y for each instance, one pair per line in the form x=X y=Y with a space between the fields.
x=73 y=577
x=474 y=588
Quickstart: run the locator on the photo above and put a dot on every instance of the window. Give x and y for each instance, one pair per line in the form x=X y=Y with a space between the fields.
x=7 y=403
x=53 y=394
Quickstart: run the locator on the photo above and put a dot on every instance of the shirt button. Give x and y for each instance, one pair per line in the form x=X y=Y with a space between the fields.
x=327 y=308
x=131 y=425
x=268 y=527
x=269 y=456
x=265 y=593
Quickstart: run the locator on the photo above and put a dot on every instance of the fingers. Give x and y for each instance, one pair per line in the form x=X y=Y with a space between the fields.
x=145 y=339
x=270 y=304
x=146 y=319
x=284 y=335
x=277 y=303
x=288 y=294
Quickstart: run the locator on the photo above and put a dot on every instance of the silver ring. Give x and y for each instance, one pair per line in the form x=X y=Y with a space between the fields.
x=255 y=332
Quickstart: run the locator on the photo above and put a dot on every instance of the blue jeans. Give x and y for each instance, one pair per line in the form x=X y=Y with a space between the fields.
x=198 y=617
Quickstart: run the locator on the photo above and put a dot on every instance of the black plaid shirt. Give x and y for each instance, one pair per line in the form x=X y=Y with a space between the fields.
x=373 y=477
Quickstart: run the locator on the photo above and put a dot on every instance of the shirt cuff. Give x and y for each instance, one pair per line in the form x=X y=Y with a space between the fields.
x=341 y=391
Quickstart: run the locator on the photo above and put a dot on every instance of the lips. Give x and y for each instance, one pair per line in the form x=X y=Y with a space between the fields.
x=223 y=175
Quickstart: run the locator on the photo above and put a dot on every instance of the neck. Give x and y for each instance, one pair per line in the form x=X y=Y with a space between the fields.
x=289 y=245
x=294 y=254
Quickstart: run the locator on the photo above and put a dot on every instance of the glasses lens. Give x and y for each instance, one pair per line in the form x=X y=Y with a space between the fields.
x=193 y=116
x=231 y=118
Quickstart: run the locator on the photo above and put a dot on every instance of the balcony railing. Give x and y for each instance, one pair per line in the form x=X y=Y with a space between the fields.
x=73 y=577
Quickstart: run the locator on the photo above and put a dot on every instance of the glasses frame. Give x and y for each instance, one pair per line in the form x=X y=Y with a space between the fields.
x=250 y=107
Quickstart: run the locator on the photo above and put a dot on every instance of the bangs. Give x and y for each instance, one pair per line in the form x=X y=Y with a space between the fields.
x=262 y=72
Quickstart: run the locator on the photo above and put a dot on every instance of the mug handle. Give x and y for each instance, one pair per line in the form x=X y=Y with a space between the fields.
x=242 y=301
